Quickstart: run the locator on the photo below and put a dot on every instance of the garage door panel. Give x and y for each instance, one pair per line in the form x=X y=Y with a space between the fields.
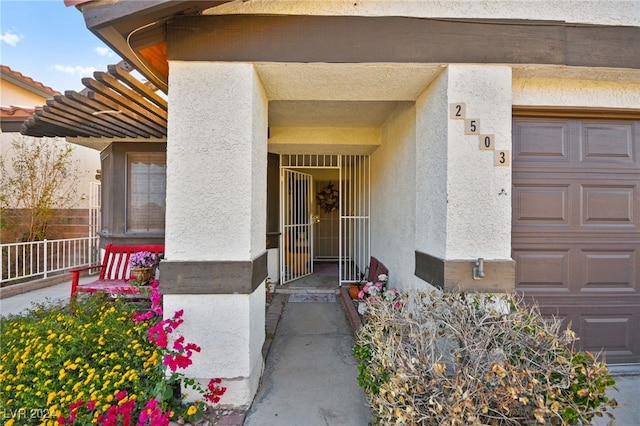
x=541 y=141
x=613 y=329
x=609 y=204
x=607 y=143
x=542 y=270
x=613 y=332
x=613 y=270
x=563 y=201
x=541 y=204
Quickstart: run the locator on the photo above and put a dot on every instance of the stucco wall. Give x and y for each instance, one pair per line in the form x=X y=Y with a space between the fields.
x=19 y=96
x=230 y=330
x=612 y=12
x=216 y=162
x=432 y=132
x=393 y=177
x=574 y=93
x=216 y=211
x=313 y=140
x=478 y=192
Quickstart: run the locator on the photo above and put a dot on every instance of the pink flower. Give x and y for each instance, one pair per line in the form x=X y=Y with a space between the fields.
x=158 y=335
x=139 y=317
x=177 y=361
x=215 y=391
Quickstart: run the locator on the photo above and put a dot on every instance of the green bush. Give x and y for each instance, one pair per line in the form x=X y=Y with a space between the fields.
x=433 y=358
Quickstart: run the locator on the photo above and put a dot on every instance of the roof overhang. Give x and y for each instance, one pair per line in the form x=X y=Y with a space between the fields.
x=135 y=29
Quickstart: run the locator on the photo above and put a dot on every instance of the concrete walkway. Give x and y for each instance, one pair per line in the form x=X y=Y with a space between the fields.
x=310 y=376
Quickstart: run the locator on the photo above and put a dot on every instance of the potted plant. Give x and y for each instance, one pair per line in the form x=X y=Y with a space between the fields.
x=143 y=266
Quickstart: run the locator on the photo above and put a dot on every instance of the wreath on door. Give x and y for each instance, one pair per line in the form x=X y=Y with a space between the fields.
x=328 y=198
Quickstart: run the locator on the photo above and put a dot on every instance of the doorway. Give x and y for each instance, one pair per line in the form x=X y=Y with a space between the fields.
x=324 y=216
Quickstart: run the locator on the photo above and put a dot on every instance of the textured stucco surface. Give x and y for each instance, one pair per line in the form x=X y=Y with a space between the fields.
x=432 y=132
x=324 y=140
x=393 y=207
x=479 y=193
x=216 y=162
x=576 y=93
x=216 y=210
x=230 y=329
x=612 y=12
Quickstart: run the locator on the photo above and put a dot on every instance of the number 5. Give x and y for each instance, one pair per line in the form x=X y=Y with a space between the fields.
x=472 y=126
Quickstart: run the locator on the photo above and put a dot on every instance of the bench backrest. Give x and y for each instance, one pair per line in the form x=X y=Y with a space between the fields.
x=376 y=268
x=116 y=259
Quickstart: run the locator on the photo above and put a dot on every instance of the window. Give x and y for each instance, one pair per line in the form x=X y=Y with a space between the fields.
x=146 y=192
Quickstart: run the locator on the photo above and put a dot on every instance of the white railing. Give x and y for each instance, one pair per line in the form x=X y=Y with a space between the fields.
x=41 y=258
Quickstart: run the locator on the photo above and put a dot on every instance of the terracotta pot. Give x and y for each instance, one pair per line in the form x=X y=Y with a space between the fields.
x=354 y=290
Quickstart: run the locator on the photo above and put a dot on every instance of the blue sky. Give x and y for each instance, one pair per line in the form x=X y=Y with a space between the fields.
x=49 y=42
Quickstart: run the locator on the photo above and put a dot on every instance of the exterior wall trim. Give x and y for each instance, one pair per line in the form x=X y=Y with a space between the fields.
x=213 y=277
x=575 y=112
x=358 y=39
x=452 y=275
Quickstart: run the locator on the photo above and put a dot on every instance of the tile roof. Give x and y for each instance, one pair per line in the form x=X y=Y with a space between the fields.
x=28 y=80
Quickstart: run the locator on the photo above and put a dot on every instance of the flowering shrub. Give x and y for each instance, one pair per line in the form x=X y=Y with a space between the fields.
x=374 y=291
x=143 y=259
x=95 y=365
x=433 y=358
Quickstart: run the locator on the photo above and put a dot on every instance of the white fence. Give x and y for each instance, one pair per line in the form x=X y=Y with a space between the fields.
x=42 y=258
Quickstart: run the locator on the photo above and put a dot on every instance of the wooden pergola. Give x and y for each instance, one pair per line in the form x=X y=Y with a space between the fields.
x=114 y=105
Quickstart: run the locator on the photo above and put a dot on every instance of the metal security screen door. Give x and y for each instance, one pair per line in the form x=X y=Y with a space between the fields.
x=355 y=224
x=297 y=225
x=298 y=207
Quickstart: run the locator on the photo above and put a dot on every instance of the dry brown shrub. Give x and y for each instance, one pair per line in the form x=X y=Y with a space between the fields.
x=463 y=359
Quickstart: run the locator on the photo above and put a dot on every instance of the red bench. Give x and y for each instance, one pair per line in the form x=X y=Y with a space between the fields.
x=115 y=273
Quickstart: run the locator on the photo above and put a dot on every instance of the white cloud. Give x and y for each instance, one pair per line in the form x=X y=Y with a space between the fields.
x=104 y=51
x=10 y=38
x=76 y=70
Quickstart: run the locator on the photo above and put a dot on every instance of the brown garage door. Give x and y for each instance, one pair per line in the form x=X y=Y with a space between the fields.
x=576 y=227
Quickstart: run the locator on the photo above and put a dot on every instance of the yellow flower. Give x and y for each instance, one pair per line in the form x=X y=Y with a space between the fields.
x=9 y=422
x=192 y=410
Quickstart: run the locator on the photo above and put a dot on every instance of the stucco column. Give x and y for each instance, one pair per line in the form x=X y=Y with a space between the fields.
x=216 y=261
x=464 y=179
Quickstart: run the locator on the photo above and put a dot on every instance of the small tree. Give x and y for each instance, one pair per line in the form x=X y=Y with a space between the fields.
x=41 y=178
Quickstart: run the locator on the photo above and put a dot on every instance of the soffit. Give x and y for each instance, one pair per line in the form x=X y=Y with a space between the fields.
x=340 y=95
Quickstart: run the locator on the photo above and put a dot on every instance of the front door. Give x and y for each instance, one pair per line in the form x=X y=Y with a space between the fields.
x=296 y=259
